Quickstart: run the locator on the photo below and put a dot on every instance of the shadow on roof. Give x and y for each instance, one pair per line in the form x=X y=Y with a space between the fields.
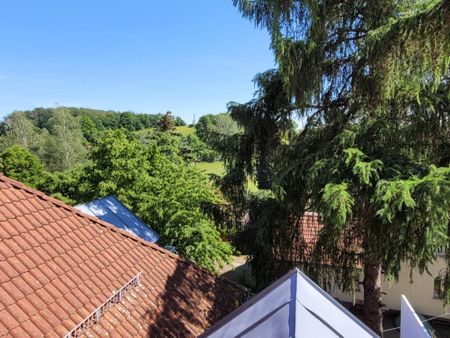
x=178 y=315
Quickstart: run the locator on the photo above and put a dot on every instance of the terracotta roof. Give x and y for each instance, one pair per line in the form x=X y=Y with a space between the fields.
x=57 y=265
x=307 y=235
x=309 y=227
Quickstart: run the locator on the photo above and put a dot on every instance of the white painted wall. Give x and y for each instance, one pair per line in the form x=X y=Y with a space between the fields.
x=419 y=294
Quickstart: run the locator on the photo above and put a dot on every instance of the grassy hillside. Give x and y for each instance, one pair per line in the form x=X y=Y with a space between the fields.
x=185 y=130
x=211 y=167
x=217 y=168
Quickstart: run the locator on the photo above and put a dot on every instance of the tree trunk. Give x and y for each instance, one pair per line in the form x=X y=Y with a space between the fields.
x=373 y=306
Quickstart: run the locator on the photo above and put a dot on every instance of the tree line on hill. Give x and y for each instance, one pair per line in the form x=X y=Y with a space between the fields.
x=100 y=119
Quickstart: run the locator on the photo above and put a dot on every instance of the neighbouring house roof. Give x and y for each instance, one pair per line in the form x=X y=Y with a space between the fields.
x=111 y=210
x=58 y=265
x=307 y=234
x=293 y=306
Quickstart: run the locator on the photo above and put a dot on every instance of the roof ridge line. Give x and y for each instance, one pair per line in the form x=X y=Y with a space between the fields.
x=110 y=227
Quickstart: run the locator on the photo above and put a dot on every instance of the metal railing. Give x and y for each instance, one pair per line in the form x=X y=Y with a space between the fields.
x=96 y=314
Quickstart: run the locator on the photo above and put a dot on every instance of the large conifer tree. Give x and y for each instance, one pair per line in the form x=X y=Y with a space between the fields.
x=367 y=76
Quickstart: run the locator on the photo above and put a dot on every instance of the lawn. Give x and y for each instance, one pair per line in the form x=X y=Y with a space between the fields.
x=185 y=130
x=217 y=168
x=211 y=167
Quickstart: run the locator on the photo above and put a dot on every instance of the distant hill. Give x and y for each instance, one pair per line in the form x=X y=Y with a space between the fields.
x=101 y=119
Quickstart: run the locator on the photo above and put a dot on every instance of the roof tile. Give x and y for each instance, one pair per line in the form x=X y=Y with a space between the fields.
x=17 y=313
x=22 y=285
x=3 y=330
x=13 y=291
x=10 y=227
x=3 y=233
x=41 y=323
x=22 y=243
x=8 y=320
x=6 y=252
x=36 y=301
x=31 y=329
x=50 y=317
x=45 y=296
x=59 y=285
x=54 y=293
x=18 y=332
x=58 y=265
x=5 y=298
x=27 y=307
x=27 y=221
x=17 y=264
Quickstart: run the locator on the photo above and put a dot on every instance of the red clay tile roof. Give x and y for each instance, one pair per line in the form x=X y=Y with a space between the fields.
x=307 y=235
x=309 y=228
x=58 y=265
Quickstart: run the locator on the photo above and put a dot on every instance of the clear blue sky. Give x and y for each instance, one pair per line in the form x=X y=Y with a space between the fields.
x=140 y=55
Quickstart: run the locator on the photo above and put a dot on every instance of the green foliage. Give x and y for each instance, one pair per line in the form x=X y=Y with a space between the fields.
x=212 y=127
x=194 y=149
x=338 y=204
x=266 y=122
x=173 y=198
x=88 y=127
x=374 y=49
x=182 y=141
x=68 y=186
x=19 y=164
x=103 y=119
x=60 y=136
x=179 y=122
x=19 y=129
x=66 y=149
x=411 y=50
x=167 y=193
x=366 y=172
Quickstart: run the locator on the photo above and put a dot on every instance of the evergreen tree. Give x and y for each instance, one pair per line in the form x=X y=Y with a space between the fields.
x=356 y=71
x=264 y=120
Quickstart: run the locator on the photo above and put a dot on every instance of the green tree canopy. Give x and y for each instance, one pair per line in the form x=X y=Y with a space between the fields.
x=66 y=148
x=173 y=198
x=210 y=127
x=19 y=164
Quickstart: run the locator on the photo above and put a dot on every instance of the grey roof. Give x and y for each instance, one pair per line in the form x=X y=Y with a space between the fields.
x=293 y=306
x=111 y=210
